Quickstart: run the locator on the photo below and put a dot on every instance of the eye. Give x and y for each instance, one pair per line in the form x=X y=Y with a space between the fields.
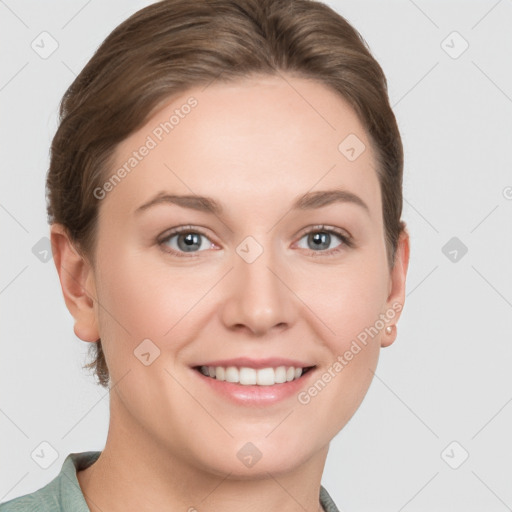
x=188 y=239
x=320 y=238
x=185 y=239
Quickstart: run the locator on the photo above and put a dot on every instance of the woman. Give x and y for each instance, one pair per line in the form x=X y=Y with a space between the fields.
x=225 y=200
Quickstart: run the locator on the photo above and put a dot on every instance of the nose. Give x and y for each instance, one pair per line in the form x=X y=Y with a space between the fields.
x=258 y=297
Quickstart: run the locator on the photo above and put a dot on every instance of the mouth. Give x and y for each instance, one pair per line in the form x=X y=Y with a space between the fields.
x=248 y=376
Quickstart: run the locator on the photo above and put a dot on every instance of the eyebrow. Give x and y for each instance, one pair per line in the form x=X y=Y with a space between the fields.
x=309 y=201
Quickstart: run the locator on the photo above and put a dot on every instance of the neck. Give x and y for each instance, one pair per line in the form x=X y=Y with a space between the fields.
x=134 y=471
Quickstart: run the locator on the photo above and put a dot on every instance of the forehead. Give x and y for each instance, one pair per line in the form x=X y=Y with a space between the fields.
x=262 y=139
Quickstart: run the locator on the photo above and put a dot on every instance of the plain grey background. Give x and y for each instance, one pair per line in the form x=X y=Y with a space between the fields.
x=433 y=432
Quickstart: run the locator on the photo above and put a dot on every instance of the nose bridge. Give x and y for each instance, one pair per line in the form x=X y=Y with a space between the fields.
x=258 y=298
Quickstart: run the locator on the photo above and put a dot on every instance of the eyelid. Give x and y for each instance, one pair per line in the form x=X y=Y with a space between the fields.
x=345 y=236
x=179 y=229
x=343 y=233
x=346 y=239
x=166 y=236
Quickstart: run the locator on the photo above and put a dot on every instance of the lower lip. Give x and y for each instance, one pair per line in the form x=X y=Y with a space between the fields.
x=256 y=395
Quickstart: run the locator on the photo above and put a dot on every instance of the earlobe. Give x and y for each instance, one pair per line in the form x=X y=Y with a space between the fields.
x=77 y=283
x=396 y=298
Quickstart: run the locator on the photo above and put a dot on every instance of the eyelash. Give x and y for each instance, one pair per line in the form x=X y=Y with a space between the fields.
x=346 y=239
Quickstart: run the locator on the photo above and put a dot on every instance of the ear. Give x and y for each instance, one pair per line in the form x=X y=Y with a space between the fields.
x=77 y=282
x=396 y=297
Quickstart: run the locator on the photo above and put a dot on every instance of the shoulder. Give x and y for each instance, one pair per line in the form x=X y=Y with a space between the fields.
x=62 y=493
x=37 y=500
x=326 y=501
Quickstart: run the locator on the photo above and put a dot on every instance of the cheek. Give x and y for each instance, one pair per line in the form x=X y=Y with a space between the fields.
x=348 y=300
x=144 y=298
x=336 y=394
x=350 y=309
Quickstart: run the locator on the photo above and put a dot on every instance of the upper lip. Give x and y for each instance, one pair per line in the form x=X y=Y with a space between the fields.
x=272 y=362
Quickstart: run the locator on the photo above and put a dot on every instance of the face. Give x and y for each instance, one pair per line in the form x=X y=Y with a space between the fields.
x=282 y=264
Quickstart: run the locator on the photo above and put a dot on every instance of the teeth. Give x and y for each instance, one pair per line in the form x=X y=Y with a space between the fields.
x=280 y=374
x=250 y=376
x=232 y=374
x=266 y=377
x=220 y=373
x=247 y=376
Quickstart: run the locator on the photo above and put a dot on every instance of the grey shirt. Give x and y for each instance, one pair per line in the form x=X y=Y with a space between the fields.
x=64 y=494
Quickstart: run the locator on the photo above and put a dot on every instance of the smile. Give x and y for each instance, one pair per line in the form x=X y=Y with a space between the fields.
x=247 y=376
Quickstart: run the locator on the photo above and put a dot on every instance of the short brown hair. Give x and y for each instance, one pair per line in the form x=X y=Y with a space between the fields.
x=172 y=45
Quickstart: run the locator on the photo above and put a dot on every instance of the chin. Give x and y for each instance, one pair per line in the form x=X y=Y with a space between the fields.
x=246 y=460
